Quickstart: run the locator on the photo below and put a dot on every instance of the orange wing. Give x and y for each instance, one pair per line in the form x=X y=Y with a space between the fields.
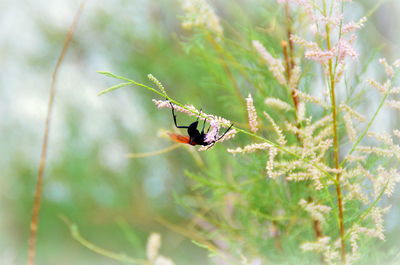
x=179 y=138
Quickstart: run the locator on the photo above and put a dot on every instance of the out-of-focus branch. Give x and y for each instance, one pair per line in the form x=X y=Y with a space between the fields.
x=42 y=164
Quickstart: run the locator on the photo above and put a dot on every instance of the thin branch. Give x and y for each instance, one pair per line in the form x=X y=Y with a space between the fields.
x=336 y=146
x=366 y=212
x=362 y=135
x=154 y=153
x=42 y=164
x=104 y=252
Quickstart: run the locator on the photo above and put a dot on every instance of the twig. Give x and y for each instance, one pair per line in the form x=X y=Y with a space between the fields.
x=365 y=131
x=42 y=164
x=288 y=53
x=104 y=252
x=155 y=153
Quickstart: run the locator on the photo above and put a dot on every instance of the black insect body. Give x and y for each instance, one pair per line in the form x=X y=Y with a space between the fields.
x=195 y=137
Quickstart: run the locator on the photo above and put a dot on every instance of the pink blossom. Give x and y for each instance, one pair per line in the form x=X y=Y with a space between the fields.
x=353 y=26
x=213 y=135
x=319 y=55
x=345 y=49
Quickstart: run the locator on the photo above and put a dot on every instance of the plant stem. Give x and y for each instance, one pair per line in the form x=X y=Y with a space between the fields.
x=362 y=135
x=288 y=53
x=289 y=33
x=336 y=148
x=104 y=252
x=289 y=67
x=34 y=224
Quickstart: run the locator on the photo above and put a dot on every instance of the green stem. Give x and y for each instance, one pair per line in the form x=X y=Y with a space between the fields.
x=366 y=212
x=104 y=252
x=336 y=147
x=362 y=135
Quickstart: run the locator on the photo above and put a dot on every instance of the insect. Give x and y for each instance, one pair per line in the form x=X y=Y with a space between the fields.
x=195 y=137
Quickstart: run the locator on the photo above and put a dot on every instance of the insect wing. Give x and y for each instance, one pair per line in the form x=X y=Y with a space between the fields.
x=179 y=138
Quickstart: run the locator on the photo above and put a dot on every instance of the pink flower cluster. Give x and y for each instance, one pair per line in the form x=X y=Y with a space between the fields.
x=337 y=44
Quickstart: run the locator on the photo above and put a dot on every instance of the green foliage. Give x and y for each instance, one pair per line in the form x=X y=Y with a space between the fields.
x=210 y=202
x=237 y=202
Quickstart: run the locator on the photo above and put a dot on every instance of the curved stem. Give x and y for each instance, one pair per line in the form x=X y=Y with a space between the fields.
x=99 y=250
x=37 y=200
x=362 y=135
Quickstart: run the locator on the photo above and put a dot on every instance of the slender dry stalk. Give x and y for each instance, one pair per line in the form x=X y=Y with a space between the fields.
x=288 y=67
x=317 y=230
x=289 y=33
x=288 y=52
x=42 y=164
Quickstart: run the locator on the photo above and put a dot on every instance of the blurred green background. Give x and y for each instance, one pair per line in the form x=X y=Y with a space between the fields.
x=115 y=201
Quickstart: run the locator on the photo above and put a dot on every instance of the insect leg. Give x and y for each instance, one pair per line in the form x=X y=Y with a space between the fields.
x=198 y=116
x=174 y=116
x=204 y=124
x=210 y=145
x=230 y=127
x=208 y=128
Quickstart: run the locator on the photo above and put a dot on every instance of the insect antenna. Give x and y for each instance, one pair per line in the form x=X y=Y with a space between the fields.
x=230 y=127
x=198 y=116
